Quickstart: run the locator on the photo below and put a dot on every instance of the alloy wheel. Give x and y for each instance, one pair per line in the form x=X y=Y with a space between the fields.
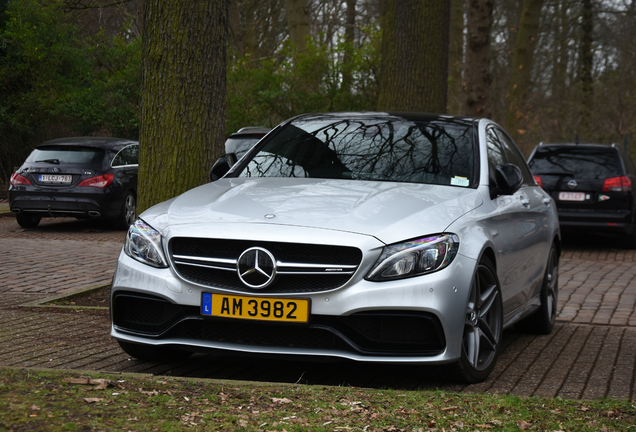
x=130 y=209
x=552 y=276
x=483 y=322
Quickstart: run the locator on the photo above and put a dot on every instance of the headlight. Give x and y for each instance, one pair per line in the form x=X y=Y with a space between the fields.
x=414 y=257
x=143 y=243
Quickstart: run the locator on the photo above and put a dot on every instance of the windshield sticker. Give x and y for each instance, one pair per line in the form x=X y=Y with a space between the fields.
x=459 y=181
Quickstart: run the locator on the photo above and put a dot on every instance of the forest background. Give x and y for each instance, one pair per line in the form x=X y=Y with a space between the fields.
x=546 y=70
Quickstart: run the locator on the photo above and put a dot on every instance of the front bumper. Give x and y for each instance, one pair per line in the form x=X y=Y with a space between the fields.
x=416 y=320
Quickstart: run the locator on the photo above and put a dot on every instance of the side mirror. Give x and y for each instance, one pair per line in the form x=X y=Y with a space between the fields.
x=509 y=179
x=222 y=166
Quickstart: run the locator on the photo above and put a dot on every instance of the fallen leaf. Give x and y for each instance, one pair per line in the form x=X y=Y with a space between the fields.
x=281 y=400
x=93 y=400
x=99 y=382
x=450 y=408
x=83 y=381
x=523 y=425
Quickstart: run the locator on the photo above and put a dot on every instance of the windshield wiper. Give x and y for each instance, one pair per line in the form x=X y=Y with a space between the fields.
x=55 y=161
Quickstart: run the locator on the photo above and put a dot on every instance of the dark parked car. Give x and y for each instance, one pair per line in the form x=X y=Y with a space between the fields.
x=244 y=139
x=82 y=177
x=592 y=185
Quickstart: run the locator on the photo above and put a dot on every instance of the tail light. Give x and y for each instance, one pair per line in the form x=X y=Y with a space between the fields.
x=17 y=179
x=99 y=182
x=617 y=184
x=538 y=180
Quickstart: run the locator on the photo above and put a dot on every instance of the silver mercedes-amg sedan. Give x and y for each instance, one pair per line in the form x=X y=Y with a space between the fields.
x=374 y=237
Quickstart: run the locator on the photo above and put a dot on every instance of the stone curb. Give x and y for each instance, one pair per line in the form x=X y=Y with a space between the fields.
x=147 y=376
x=44 y=303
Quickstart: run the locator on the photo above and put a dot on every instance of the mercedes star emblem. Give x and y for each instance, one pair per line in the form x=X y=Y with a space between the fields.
x=256 y=268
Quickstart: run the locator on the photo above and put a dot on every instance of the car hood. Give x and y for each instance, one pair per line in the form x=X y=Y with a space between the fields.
x=388 y=211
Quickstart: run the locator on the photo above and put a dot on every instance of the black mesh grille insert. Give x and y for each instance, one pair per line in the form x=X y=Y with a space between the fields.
x=371 y=333
x=146 y=314
x=284 y=252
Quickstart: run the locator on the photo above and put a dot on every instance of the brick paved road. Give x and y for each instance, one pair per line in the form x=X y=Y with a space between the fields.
x=591 y=353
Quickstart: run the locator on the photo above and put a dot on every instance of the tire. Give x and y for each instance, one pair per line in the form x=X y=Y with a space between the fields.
x=153 y=353
x=629 y=239
x=26 y=220
x=483 y=327
x=542 y=321
x=128 y=211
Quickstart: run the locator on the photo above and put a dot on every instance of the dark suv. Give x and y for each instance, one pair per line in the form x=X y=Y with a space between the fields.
x=82 y=177
x=593 y=186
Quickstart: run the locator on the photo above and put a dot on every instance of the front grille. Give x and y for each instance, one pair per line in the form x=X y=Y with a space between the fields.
x=301 y=268
x=367 y=333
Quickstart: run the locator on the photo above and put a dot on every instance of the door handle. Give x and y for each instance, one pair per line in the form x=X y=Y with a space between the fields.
x=525 y=202
x=547 y=201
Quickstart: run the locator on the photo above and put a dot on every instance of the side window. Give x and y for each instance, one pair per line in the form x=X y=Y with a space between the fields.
x=134 y=154
x=496 y=155
x=127 y=156
x=514 y=156
x=119 y=160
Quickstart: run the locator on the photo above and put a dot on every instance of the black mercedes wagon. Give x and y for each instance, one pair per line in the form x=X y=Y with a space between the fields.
x=82 y=177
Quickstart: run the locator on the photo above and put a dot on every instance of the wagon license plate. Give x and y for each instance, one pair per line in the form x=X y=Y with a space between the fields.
x=255 y=308
x=52 y=178
x=571 y=196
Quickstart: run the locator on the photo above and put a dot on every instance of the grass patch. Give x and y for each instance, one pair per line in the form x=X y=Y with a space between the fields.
x=67 y=401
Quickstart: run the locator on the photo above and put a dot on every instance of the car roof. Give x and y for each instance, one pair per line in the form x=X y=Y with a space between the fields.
x=108 y=143
x=250 y=130
x=574 y=145
x=414 y=116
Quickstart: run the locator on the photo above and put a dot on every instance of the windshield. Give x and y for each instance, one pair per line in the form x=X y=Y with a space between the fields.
x=67 y=155
x=579 y=162
x=387 y=148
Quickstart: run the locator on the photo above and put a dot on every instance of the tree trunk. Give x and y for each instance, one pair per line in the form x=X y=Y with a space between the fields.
x=298 y=23
x=235 y=30
x=414 y=69
x=522 y=61
x=477 y=76
x=586 y=62
x=183 y=96
x=349 y=42
x=561 y=54
x=249 y=31
x=456 y=56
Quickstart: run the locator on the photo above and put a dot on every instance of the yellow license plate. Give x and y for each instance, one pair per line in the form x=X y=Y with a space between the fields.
x=255 y=308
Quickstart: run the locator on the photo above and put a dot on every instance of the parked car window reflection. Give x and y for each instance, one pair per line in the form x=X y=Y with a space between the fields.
x=127 y=156
x=387 y=149
x=584 y=163
x=62 y=155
